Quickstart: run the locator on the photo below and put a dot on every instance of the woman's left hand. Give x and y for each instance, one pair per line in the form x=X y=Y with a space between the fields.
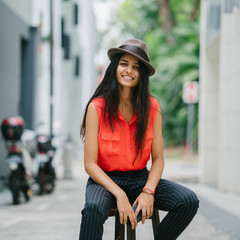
x=145 y=203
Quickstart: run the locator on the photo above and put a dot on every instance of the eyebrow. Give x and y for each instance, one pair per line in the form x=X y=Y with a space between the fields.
x=124 y=60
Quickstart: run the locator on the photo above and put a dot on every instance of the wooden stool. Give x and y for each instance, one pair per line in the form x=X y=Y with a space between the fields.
x=131 y=233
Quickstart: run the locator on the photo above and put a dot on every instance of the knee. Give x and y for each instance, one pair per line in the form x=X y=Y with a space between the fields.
x=191 y=200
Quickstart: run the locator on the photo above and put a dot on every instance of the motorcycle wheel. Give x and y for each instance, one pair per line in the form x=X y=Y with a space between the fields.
x=42 y=181
x=15 y=188
x=27 y=193
x=50 y=184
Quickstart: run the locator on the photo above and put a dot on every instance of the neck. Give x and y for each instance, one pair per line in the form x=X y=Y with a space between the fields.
x=125 y=104
x=125 y=95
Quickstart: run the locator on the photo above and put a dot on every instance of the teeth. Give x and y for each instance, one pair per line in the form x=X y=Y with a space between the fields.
x=128 y=77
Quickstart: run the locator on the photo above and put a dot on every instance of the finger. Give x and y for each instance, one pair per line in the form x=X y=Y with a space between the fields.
x=137 y=210
x=125 y=219
x=133 y=221
x=121 y=217
x=143 y=215
x=151 y=210
x=136 y=201
x=149 y=213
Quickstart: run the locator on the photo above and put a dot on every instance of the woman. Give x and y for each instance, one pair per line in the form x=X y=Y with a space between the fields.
x=122 y=126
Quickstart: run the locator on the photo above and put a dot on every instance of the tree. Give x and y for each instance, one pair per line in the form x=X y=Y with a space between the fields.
x=171 y=30
x=166 y=15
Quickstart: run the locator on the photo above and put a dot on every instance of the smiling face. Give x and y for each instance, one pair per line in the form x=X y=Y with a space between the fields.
x=128 y=71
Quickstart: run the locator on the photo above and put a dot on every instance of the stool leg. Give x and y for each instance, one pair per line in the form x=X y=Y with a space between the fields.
x=119 y=228
x=155 y=222
x=131 y=234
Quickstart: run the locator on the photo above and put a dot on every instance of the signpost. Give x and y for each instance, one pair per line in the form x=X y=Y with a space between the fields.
x=190 y=96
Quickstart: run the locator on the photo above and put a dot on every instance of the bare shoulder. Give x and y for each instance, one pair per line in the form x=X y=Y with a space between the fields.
x=92 y=107
x=92 y=110
x=155 y=104
x=92 y=116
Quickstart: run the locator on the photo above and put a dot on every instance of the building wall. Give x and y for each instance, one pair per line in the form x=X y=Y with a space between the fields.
x=88 y=51
x=219 y=110
x=76 y=89
x=9 y=61
x=10 y=69
x=70 y=89
x=229 y=99
x=208 y=105
x=70 y=83
x=20 y=8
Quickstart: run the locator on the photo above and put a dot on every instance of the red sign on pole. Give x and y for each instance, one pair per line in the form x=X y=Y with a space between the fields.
x=190 y=92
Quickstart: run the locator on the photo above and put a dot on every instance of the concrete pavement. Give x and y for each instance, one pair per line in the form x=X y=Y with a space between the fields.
x=219 y=212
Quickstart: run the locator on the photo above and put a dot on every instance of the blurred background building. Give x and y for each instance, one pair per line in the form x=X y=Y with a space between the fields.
x=47 y=69
x=219 y=115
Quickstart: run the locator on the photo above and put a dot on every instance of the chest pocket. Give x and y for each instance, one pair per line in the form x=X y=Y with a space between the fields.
x=111 y=143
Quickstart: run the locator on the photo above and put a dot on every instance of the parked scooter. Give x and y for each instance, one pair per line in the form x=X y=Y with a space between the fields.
x=19 y=177
x=46 y=173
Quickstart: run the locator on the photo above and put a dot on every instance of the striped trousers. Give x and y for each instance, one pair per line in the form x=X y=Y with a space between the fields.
x=180 y=202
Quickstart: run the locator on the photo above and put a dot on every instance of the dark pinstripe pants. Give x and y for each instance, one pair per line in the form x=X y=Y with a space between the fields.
x=180 y=202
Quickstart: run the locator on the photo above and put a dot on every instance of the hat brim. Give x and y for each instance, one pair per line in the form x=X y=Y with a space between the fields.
x=113 y=51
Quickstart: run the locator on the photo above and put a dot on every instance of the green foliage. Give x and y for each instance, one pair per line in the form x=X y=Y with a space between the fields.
x=137 y=16
x=175 y=54
x=175 y=64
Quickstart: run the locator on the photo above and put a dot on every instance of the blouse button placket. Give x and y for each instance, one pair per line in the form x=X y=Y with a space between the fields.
x=128 y=141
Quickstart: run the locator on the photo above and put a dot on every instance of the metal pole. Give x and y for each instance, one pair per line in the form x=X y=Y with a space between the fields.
x=190 y=128
x=51 y=68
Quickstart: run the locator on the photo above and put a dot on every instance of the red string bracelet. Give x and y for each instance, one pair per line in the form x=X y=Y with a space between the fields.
x=147 y=192
x=151 y=191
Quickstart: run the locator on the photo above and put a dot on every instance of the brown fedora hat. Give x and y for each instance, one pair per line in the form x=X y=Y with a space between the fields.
x=138 y=49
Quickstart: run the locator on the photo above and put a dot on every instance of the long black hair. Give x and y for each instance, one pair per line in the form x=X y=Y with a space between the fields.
x=108 y=89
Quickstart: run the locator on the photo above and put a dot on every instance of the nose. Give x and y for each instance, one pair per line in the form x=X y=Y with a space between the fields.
x=129 y=69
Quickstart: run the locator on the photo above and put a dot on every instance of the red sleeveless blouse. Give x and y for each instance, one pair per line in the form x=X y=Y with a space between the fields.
x=117 y=149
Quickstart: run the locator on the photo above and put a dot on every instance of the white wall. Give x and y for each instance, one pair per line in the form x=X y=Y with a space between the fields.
x=88 y=44
x=42 y=109
x=229 y=111
x=208 y=105
x=76 y=90
x=22 y=8
x=219 y=108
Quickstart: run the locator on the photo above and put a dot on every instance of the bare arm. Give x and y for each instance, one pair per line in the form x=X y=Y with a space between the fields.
x=157 y=154
x=146 y=201
x=97 y=174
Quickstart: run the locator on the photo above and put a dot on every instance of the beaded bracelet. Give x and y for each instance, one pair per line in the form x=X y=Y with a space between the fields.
x=149 y=190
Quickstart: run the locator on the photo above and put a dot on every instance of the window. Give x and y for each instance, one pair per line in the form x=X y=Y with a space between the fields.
x=75 y=14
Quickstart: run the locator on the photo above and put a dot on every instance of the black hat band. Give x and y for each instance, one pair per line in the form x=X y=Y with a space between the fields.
x=136 y=50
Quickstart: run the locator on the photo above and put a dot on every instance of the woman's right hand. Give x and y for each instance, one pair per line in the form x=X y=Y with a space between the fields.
x=125 y=210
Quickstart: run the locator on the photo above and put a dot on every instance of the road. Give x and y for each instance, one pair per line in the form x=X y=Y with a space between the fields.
x=48 y=217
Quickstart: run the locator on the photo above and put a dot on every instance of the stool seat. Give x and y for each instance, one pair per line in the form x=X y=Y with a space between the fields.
x=131 y=233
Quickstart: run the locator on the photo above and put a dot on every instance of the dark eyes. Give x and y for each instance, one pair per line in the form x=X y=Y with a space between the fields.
x=123 y=64
x=136 y=67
